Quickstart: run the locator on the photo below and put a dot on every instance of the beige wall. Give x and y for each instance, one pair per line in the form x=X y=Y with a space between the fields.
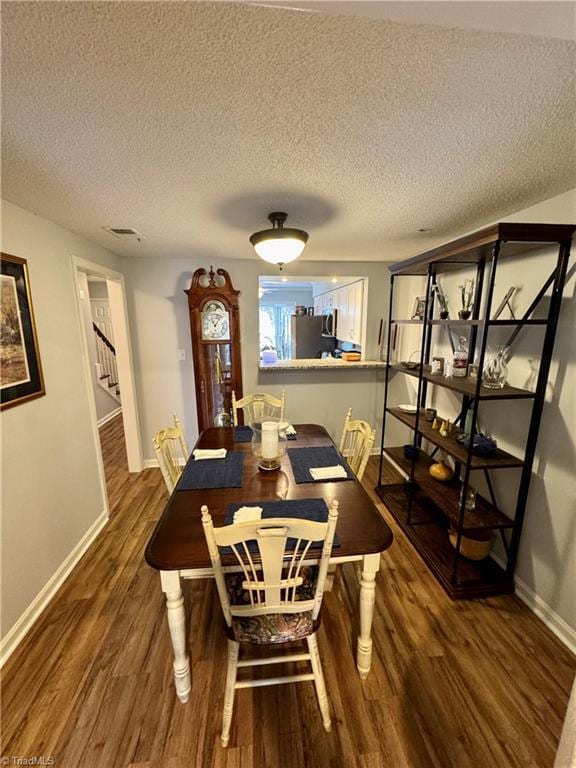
x=160 y=326
x=547 y=557
x=51 y=493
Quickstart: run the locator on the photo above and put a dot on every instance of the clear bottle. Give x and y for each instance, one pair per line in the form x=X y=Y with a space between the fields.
x=460 y=365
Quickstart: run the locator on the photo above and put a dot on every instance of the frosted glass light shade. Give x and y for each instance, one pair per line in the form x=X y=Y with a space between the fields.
x=279 y=245
x=280 y=250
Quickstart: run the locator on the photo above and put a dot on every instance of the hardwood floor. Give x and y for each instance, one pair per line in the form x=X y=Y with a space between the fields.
x=478 y=684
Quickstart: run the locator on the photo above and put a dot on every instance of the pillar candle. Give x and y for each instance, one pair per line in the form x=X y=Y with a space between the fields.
x=269 y=440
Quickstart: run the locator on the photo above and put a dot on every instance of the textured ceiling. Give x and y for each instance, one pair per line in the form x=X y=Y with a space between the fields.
x=191 y=121
x=544 y=18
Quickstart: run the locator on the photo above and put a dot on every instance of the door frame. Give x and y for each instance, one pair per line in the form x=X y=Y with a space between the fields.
x=120 y=323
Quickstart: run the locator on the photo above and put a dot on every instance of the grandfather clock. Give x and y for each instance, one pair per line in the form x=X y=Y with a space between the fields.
x=215 y=330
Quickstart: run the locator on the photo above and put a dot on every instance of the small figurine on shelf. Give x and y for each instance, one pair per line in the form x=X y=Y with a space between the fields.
x=466 y=295
x=442 y=301
x=444 y=430
x=435 y=424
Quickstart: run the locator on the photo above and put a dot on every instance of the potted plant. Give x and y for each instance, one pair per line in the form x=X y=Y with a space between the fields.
x=466 y=296
x=442 y=301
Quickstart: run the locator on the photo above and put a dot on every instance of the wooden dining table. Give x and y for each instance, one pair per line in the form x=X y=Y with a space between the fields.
x=178 y=548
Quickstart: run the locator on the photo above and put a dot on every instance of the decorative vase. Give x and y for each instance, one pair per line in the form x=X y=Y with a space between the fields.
x=495 y=368
x=441 y=471
x=464 y=314
x=269 y=442
x=444 y=314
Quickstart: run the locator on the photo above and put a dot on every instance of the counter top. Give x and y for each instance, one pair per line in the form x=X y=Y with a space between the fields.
x=315 y=364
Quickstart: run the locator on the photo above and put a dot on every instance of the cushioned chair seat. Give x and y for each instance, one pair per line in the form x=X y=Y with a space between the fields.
x=273 y=628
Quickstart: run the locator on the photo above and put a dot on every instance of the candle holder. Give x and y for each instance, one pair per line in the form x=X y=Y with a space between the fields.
x=269 y=442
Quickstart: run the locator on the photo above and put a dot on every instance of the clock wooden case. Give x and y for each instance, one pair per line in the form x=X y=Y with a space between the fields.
x=215 y=331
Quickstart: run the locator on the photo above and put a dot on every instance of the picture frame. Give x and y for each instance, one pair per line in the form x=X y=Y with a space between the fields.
x=419 y=307
x=21 y=377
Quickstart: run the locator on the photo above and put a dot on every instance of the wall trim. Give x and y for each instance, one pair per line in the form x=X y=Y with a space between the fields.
x=555 y=623
x=153 y=463
x=16 y=633
x=109 y=416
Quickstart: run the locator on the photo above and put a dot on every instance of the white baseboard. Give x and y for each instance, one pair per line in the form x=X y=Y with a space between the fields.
x=109 y=416
x=556 y=624
x=153 y=463
x=17 y=633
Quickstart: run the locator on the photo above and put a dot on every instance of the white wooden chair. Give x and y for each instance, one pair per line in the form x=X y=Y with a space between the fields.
x=258 y=407
x=170 y=448
x=356 y=443
x=271 y=596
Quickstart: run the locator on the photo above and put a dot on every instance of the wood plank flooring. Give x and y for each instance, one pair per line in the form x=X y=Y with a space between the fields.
x=478 y=684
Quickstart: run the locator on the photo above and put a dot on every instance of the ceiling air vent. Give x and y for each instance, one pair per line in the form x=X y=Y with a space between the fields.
x=124 y=233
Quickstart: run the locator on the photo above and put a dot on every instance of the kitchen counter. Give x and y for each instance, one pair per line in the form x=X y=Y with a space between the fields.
x=315 y=364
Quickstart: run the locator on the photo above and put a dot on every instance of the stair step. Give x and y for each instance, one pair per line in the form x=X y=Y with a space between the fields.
x=106 y=376
x=112 y=384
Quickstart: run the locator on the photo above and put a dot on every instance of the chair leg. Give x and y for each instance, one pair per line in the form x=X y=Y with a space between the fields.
x=233 y=649
x=319 y=681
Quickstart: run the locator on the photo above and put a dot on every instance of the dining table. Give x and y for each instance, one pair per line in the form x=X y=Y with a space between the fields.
x=178 y=550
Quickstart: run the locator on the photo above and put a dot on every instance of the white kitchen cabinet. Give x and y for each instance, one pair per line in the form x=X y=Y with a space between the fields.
x=355 y=303
x=348 y=301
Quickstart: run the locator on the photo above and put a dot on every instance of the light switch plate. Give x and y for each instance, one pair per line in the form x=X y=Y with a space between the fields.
x=181 y=354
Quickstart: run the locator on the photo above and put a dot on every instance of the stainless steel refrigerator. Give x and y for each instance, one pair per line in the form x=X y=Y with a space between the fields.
x=306 y=337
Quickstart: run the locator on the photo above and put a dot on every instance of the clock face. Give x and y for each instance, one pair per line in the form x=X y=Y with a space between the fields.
x=215 y=321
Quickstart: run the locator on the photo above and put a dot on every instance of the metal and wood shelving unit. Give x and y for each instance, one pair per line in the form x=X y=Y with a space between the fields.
x=424 y=507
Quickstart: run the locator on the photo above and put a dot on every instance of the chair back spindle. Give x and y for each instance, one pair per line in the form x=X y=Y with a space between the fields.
x=171 y=450
x=356 y=443
x=271 y=554
x=258 y=407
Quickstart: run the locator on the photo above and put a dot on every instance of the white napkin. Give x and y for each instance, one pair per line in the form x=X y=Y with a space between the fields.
x=325 y=473
x=245 y=514
x=290 y=430
x=209 y=453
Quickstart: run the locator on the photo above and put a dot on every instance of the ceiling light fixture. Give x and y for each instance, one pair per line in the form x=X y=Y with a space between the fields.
x=278 y=245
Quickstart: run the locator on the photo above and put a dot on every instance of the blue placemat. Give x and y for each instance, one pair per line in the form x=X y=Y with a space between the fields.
x=304 y=459
x=307 y=509
x=242 y=434
x=213 y=473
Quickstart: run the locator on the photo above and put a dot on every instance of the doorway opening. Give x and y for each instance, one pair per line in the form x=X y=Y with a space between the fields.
x=109 y=374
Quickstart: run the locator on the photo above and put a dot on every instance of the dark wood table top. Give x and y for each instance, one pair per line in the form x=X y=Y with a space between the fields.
x=178 y=541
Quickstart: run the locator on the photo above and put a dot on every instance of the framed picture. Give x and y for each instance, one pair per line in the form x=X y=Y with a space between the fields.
x=20 y=369
x=419 y=307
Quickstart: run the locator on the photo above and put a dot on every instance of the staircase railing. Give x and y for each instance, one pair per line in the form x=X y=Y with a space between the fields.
x=106 y=357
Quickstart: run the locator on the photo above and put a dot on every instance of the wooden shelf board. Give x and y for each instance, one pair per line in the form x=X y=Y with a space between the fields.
x=466 y=385
x=445 y=496
x=457 y=321
x=476 y=578
x=500 y=460
x=518 y=238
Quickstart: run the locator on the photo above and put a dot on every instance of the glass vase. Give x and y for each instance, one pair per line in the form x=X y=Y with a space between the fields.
x=495 y=367
x=269 y=442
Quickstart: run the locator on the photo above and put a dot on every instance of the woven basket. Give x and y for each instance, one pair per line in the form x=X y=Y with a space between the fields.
x=475 y=546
